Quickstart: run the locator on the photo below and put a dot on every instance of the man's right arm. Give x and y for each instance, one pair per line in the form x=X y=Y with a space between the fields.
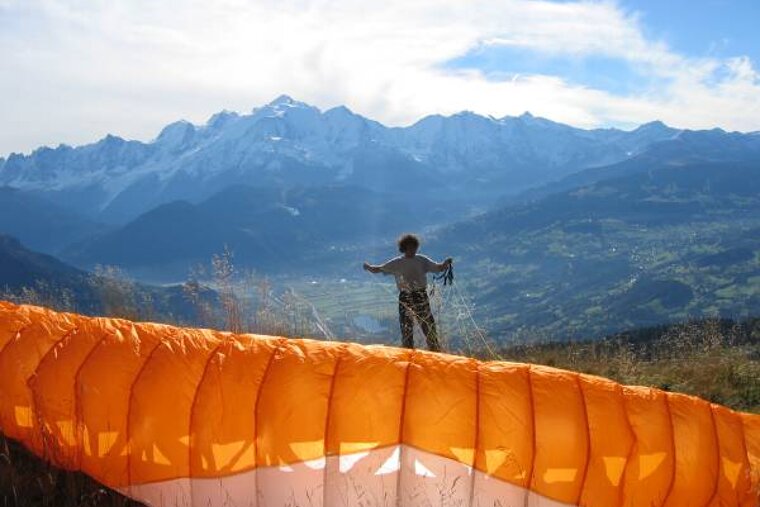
x=388 y=267
x=372 y=269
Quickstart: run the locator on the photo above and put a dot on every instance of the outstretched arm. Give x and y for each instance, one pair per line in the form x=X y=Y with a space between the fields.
x=372 y=269
x=437 y=268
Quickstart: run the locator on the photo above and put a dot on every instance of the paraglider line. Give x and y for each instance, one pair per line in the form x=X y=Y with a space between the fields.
x=478 y=331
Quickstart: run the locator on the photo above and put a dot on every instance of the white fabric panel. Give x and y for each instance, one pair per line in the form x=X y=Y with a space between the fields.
x=366 y=479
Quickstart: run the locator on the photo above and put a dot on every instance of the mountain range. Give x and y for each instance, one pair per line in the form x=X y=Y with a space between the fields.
x=470 y=158
x=565 y=230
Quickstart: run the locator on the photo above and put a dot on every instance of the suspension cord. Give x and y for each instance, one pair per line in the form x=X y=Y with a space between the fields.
x=447 y=276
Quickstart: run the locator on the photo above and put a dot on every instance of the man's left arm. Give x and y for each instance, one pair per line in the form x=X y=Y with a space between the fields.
x=436 y=267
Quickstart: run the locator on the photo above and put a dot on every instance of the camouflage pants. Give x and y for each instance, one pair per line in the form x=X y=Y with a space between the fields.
x=415 y=305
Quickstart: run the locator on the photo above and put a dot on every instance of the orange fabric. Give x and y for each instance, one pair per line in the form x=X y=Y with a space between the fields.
x=233 y=376
x=505 y=428
x=136 y=403
x=695 y=441
x=19 y=360
x=611 y=441
x=561 y=434
x=367 y=398
x=103 y=413
x=752 y=445
x=161 y=403
x=57 y=408
x=650 y=467
x=441 y=419
x=733 y=479
x=291 y=417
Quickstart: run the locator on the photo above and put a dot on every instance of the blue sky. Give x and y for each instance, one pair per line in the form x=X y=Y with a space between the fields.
x=692 y=28
x=599 y=72
x=720 y=28
x=75 y=70
x=695 y=29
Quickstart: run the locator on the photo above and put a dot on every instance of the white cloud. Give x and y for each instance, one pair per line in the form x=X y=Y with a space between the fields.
x=76 y=69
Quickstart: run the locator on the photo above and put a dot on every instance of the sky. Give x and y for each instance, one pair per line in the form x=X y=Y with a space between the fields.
x=72 y=71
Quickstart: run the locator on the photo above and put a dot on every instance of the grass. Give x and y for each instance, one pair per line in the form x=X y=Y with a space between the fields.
x=718 y=360
x=28 y=481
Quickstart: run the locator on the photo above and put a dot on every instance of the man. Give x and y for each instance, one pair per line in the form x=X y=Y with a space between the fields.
x=411 y=272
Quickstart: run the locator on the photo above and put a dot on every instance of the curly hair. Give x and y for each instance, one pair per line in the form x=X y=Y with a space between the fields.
x=408 y=241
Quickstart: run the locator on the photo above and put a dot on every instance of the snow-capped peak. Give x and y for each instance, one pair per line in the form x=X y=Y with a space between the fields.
x=177 y=126
x=221 y=118
x=282 y=138
x=176 y=134
x=285 y=102
x=339 y=111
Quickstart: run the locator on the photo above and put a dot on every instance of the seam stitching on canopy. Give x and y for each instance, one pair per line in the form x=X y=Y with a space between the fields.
x=587 y=429
x=529 y=483
x=325 y=443
x=162 y=340
x=280 y=345
x=745 y=451
x=78 y=423
x=191 y=419
x=634 y=444
x=476 y=443
x=717 y=455
x=402 y=418
x=31 y=384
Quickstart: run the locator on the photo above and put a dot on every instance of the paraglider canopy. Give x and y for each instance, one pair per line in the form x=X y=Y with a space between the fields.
x=172 y=415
